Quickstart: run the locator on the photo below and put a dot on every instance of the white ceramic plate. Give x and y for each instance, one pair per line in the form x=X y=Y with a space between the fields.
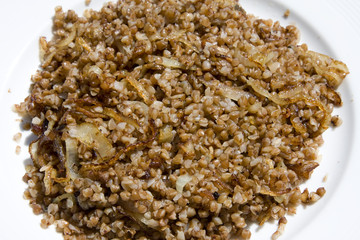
x=328 y=26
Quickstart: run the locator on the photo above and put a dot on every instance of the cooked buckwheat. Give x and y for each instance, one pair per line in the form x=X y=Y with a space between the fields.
x=177 y=119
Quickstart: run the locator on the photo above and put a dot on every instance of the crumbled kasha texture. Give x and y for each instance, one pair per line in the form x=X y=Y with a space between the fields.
x=17 y=150
x=17 y=137
x=287 y=13
x=174 y=120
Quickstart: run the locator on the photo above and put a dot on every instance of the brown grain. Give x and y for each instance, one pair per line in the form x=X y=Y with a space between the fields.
x=194 y=91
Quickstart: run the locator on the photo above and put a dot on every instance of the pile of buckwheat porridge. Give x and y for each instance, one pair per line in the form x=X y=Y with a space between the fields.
x=176 y=119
